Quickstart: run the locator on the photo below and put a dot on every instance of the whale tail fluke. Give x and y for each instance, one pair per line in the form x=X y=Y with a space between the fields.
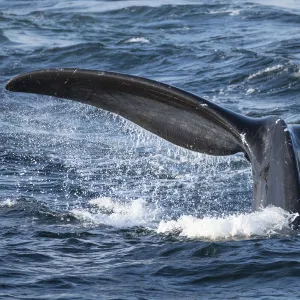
x=173 y=114
x=186 y=120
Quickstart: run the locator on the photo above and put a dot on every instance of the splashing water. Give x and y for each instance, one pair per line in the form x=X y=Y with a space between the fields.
x=121 y=215
x=267 y=222
x=264 y=223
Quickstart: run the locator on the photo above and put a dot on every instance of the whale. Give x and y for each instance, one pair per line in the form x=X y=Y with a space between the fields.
x=189 y=121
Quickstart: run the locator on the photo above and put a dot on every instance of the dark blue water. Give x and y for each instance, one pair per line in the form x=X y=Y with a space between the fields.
x=92 y=207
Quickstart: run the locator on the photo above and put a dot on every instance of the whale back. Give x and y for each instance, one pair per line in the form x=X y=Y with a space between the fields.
x=186 y=120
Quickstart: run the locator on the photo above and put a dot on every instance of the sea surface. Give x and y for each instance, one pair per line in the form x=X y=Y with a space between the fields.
x=93 y=207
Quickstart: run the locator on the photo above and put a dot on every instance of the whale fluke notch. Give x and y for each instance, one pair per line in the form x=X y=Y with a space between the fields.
x=186 y=120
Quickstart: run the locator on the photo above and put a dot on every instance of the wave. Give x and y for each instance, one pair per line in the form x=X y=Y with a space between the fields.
x=231 y=12
x=292 y=4
x=267 y=71
x=29 y=39
x=93 y=6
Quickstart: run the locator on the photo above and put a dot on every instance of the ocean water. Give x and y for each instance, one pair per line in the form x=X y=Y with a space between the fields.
x=93 y=207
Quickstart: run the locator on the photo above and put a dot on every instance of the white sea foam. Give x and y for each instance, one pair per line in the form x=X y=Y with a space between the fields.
x=250 y=91
x=231 y=12
x=137 y=40
x=121 y=215
x=7 y=203
x=265 y=223
x=266 y=71
x=234 y=12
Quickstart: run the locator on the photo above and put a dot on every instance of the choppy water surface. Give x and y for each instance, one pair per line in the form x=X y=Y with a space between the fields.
x=91 y=206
